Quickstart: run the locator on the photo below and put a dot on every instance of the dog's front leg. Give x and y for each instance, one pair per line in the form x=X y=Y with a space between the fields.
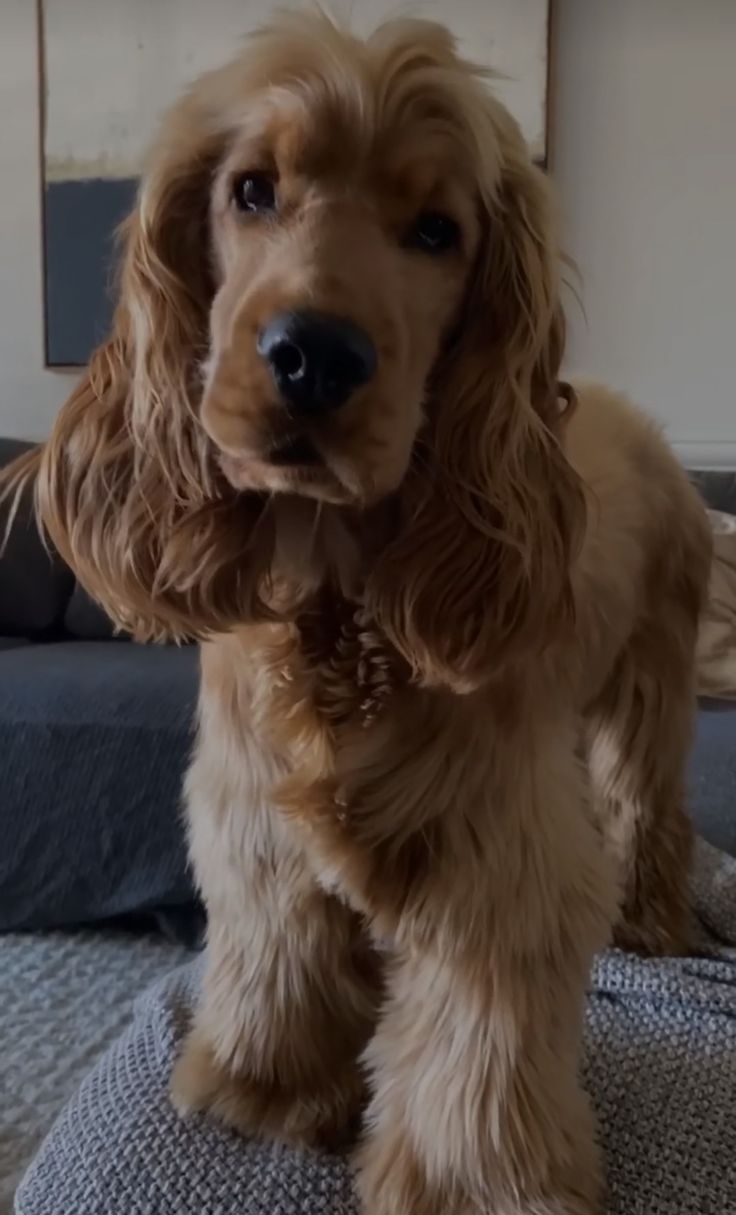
x=286 y=1008
x=291 y=982
x=495 y=903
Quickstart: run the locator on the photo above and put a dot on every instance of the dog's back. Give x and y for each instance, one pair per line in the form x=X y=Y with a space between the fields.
x=640 y=583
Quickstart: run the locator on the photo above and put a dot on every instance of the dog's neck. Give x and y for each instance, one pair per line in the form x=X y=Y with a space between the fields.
x=322 y=557
x=318 y=545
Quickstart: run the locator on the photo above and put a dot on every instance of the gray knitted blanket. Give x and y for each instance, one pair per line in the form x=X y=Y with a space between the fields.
x=660 y=1063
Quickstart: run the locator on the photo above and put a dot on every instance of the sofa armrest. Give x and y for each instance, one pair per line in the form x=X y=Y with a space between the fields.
x=35 y=587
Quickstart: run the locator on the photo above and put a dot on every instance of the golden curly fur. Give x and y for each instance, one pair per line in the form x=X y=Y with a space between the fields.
x=440 y=665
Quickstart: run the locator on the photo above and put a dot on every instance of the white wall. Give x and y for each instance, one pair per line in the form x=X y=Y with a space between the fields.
x=645 y=159
x=645 y=156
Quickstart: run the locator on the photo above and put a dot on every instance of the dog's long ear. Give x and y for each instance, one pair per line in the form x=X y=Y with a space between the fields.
x=128 y=472
x=480 y=572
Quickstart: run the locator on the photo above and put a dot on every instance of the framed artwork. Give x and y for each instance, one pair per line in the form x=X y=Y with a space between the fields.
x=109 y=68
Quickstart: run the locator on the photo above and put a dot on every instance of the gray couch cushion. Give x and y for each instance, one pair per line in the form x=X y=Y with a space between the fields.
x=718 y=489
x=94 y=739
x=34 y=587
x=85 y=619
x=713 y=775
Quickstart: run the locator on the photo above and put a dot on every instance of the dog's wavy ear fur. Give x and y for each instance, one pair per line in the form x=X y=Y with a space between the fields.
x=491 y=510
x=127 y=487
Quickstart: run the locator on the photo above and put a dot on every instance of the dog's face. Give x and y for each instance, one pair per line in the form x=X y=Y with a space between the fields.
x=343 y=239
x=340 y=282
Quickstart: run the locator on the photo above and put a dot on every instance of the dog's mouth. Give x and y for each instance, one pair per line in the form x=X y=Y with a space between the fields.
x=298 y=451
x=293 y=464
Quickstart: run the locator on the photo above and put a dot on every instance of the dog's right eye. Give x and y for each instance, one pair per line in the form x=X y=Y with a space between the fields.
x=432 y=232
x=254 y=192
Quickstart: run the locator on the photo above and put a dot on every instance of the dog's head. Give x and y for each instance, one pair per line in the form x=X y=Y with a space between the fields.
x=339 y=283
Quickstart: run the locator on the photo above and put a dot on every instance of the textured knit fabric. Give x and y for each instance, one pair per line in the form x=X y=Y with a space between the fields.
x=660 y=1063
x=94 y=740
x=64 y=997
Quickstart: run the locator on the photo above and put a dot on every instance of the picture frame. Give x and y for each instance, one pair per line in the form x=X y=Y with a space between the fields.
x=110 y=68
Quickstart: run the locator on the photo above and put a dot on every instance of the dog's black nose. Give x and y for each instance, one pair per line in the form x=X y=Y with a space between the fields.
x=316 y=360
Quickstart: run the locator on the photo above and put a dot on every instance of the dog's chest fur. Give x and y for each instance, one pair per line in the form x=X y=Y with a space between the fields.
x=324 y=689
x=351 y=668
x=333 y=658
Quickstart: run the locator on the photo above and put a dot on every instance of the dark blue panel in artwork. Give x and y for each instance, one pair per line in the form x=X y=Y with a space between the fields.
x=80 y=221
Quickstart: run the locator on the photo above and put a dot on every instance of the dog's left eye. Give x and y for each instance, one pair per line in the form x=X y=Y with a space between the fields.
x=433 y=232
x=254 y=192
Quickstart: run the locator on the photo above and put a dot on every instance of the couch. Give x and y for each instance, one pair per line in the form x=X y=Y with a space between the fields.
x=94 y=736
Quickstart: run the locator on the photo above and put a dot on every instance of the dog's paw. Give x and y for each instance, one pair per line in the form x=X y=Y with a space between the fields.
x=656 y=935
x=326 y=1117
x=394 y=1180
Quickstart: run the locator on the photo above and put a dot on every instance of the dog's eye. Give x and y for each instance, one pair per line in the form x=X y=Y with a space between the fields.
x=433 y=232
x=254 y=192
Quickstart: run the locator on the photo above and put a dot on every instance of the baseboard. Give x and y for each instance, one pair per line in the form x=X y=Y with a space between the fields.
x=718 y=454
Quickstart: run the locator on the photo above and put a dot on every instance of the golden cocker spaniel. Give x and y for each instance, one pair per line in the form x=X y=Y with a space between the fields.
x=447 y=607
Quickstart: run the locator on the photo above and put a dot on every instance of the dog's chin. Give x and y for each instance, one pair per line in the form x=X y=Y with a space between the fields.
x=314 y=479
x=305 y=466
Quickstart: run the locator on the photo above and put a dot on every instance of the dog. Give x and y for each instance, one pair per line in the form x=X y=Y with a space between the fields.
x=447 y=607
